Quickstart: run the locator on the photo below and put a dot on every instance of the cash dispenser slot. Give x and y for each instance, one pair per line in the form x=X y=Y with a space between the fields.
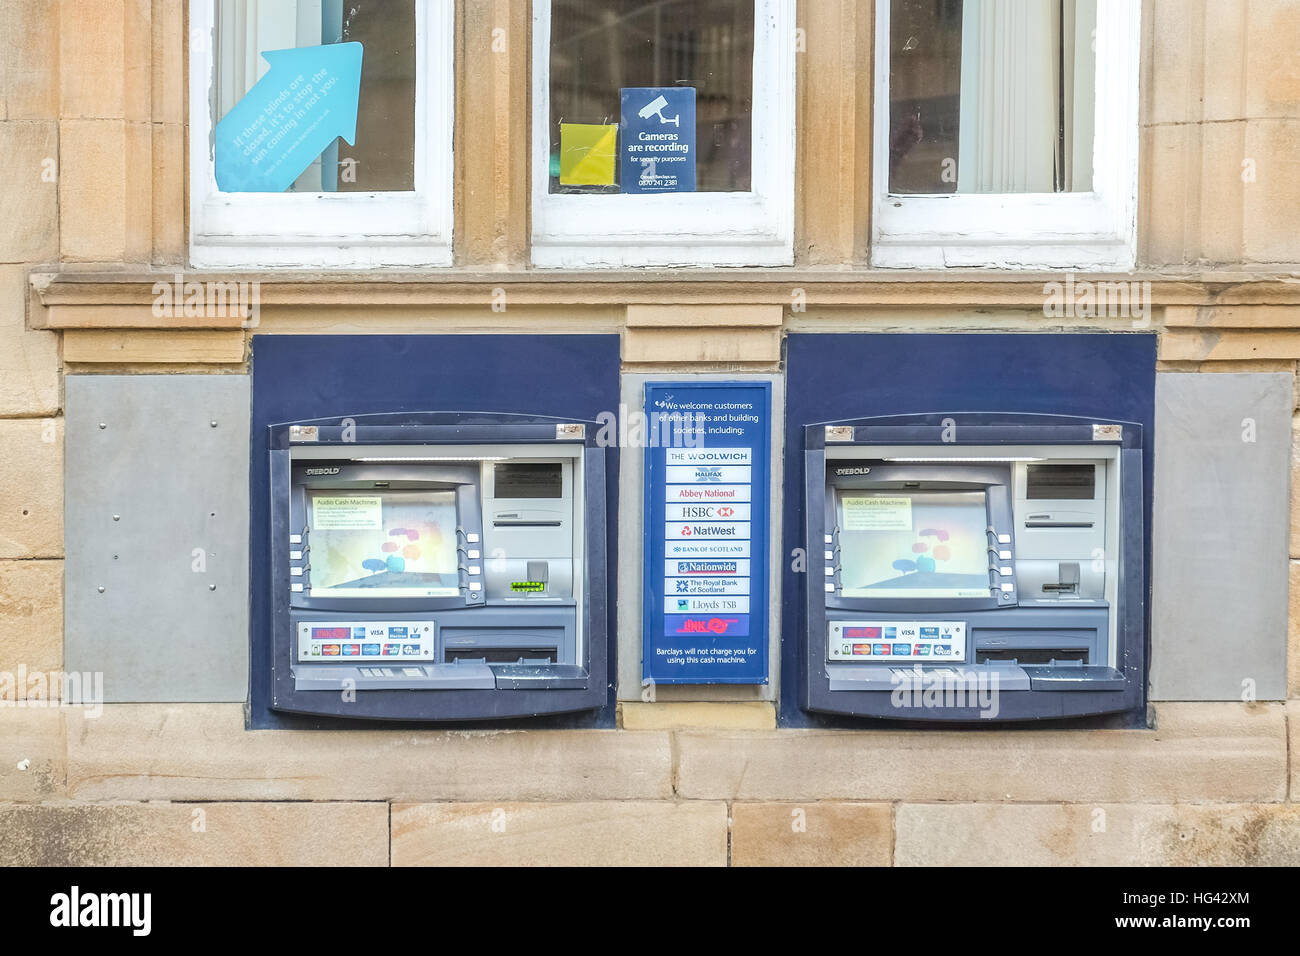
x=1032 y=655
x=531 y=645
x=503 y=655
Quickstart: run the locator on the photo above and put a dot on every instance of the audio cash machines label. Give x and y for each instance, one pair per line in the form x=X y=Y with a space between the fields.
x=705 y=618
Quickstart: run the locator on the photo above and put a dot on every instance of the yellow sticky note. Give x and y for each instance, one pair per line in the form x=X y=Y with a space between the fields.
x=587 y=154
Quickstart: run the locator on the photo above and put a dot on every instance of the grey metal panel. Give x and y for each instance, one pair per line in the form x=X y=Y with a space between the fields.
x=156 y=516
x=1220 y=535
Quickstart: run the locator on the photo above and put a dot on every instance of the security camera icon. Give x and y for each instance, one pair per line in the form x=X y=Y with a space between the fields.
x=656 y=108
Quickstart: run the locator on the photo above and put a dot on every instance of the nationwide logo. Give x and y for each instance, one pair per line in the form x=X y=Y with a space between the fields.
x=706 y=567
x=714 y=625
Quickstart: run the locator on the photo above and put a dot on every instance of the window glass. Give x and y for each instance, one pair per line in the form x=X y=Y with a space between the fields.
x=382 y=158
x=600 y=48
x=991 y=96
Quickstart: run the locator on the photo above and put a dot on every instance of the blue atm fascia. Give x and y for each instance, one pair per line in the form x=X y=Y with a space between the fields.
x=1009 y=624
x=465 y=689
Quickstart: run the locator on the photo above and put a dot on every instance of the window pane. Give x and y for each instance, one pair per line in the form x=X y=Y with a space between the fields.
x=383 y=158
x=991 y=96
x=600 y=47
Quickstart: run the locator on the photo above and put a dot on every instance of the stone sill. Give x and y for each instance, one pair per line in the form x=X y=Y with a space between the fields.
x=1197 y=753
x=822 y=287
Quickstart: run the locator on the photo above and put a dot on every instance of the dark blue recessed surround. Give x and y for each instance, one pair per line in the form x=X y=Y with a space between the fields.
x=832 y=377
x=324 y=376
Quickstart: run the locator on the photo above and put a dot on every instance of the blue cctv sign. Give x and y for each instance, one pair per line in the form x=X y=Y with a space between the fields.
x=705 y=617
x=657 y=150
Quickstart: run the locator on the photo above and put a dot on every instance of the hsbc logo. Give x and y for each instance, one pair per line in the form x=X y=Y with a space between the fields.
x=706 y=511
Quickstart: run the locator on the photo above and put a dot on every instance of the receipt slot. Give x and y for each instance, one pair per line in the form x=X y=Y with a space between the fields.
x=438 y=566
x=974 y=567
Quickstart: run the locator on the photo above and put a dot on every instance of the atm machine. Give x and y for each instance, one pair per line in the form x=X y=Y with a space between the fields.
x=438 y=566
x=974 y=566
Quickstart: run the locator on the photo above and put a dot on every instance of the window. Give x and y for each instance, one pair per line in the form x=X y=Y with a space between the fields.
x=1006 y=134
x=320 y=133
x=663 y=132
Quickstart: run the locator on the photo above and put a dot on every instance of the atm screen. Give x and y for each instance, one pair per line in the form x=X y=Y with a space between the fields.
x=913 y=544
x=383 y=544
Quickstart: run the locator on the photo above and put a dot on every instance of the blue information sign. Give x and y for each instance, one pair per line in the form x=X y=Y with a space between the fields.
x=657 y=149
x=306 y=100
x=707 y=480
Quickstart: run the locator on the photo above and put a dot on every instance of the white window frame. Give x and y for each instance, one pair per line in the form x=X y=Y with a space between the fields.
x=754 y=228
x=329 y=229
x=1094 y=230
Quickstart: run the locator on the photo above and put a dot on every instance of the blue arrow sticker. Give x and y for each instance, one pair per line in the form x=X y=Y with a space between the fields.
x=306 y=101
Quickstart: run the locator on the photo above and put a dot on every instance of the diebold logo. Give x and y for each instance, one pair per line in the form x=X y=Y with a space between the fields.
x=852 y=471
x=323 y=471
